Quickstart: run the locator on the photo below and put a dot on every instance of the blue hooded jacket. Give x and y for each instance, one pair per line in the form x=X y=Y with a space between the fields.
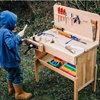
x=9 y=57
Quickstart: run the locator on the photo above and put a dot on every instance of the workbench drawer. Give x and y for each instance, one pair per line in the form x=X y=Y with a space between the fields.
x=48 y=57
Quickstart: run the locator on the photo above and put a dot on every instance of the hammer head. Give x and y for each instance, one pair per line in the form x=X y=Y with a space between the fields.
x=26 y=22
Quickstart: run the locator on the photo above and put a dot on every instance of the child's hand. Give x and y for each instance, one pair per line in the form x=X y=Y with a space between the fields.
x=24 y=40
x=21 y=33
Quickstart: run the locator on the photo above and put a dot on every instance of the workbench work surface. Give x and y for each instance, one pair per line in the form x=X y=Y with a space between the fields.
x=58 y=47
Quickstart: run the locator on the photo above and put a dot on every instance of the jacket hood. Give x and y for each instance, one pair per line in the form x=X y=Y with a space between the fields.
x=8 y=19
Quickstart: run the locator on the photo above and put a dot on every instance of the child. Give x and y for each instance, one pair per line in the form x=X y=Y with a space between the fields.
x=9 y=57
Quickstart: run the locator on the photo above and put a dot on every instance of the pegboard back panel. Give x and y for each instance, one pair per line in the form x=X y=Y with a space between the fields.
x=77 y=22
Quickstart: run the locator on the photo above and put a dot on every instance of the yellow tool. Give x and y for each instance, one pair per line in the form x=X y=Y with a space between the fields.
x=65 y=34
x=61 y=31
x=58 y=28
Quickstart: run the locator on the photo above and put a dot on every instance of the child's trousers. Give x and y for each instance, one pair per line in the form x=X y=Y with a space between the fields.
x=15 y=75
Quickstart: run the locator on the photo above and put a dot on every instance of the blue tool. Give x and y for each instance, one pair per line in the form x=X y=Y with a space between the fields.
x=40 y=34
x=54 y=63
x=77 y=19
x=49 y=34
x=72 y=38
x=76 y=39
x=45 y=34
x=68 y=41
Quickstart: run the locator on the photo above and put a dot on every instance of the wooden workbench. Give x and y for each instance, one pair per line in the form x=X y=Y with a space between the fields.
x=84 y=60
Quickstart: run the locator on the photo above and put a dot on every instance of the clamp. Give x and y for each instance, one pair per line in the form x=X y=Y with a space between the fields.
x=30 y=45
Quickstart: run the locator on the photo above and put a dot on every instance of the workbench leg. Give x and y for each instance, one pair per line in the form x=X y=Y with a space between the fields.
x=76 y=89
x=36 y=69
x=95 y=77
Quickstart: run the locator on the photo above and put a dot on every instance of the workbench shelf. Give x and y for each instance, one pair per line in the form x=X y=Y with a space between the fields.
x=49 y=57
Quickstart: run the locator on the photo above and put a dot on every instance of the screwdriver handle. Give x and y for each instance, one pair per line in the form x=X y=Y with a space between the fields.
x=65 y=34
x=69 y=49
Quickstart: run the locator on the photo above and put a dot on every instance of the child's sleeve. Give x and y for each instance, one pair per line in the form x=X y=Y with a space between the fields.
x=12 y=40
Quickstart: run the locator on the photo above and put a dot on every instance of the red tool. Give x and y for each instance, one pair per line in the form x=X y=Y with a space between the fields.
x=64 y=12
x=61 y=12
x=58 y=14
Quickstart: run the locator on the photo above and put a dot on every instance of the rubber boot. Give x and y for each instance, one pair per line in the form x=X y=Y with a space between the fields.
x=10 y=87
x=20 y=94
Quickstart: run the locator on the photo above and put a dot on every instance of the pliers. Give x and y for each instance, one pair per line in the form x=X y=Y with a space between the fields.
x=77 y=19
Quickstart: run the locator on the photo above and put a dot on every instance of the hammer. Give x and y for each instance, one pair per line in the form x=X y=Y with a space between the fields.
x=27 y=23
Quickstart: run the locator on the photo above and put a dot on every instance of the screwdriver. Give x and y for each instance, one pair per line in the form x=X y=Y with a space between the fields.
x=76 y=39
x=58 y=14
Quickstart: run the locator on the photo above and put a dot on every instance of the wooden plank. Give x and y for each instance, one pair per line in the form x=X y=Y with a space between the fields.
x=91 y=61
x=84 y=85
x=81 y=64
x=76 y=89
x=85 y=67
x=88 y=66
x=94 y=53
x=60 y=54
x=95 y=77
x=36 y=68
x=37 y=64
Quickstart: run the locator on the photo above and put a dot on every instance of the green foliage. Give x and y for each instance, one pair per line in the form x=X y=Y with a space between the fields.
x=39 y=5
x=92 y=6
x=97 y=10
